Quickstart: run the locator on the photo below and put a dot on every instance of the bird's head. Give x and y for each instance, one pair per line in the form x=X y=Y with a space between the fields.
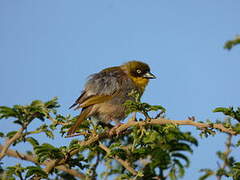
x=139 y=72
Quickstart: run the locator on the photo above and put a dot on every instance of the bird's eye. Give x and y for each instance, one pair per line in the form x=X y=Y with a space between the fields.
x=139 y=71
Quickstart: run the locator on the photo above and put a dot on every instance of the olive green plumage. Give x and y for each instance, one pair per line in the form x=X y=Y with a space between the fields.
x=105 y=92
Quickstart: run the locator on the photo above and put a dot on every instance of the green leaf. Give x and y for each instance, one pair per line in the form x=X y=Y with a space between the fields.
x=221 y=172
x=1 y=134
x=52 y=103
x=236 y=171
x=231 y=43
x=226 y=111
x=66 y=176
x=118 y=152
x=229 y=112
x=150 y=137
x=44 y=128
x=137 y=106
x=180 y=168
x=181 y=147
x=74 y=144
x=6 y=112
x=47 y=151
x=207 y=173
x=35 y=170
x=32 y=141
x=16 y=170
x=157 y=107
x=11 y=134
x=182 y=156
x=172 y=174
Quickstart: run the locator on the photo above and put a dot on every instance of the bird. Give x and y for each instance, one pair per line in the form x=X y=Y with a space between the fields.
x=106 y=92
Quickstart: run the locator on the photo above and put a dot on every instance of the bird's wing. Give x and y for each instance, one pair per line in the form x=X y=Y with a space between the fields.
x=84 y=114
x=101 y=87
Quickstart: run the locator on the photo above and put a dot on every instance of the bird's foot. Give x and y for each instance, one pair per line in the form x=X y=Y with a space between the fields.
x=103 y=124
x=114 y=131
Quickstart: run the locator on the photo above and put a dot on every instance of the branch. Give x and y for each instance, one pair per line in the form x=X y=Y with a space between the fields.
x=31 y=158
x=50 y=166
x=121 y=130
x=162 y=121
x=10 y=141
x=122 y=162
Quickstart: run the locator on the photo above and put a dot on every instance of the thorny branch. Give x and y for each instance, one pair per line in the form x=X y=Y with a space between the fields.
x=159 y=121
x=31 y=158
x=162 y=121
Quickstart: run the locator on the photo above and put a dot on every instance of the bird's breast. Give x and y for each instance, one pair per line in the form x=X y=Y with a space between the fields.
x=108 y=112
x=140 y=82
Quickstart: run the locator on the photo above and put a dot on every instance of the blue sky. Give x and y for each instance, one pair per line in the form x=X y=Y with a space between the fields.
x=48 y=48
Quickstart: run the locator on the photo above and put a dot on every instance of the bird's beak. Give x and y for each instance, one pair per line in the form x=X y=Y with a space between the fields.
x=149 y=75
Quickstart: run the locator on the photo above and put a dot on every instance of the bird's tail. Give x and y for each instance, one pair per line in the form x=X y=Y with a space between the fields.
x=73 y=105
x=84 y=114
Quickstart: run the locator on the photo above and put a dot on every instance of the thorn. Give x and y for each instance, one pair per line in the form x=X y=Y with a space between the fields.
x=191 y=118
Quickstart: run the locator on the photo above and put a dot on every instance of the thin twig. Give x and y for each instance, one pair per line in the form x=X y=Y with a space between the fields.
x=227 y=152
x=50 y=166
x=133 y=118
x=78 y=134
x=54 y=121
x=121 y=161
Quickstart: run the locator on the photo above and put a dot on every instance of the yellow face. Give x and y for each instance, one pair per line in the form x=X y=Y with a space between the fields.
x=139 y=72
x=140 y=82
